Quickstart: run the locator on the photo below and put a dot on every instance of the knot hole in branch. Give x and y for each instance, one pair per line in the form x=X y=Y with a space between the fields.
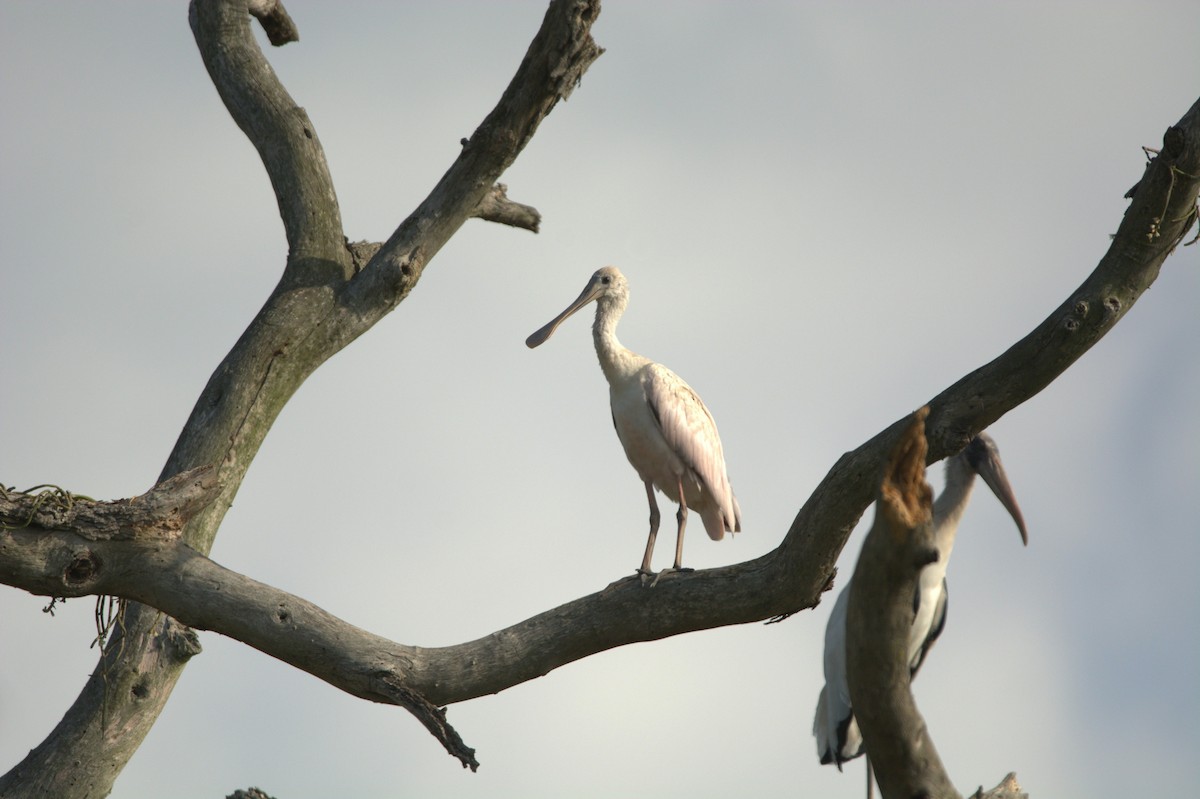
x=83 y=568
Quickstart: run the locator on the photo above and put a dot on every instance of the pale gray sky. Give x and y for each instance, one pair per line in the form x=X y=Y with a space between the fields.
x=827 y=213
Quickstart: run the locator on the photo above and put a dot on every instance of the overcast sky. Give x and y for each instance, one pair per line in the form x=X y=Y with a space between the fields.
x=827 y=213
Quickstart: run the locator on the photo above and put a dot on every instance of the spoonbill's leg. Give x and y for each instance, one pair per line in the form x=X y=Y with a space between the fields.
x=654 y=518
x=681 y=518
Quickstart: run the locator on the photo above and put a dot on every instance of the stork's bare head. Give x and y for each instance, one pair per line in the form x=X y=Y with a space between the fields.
x=983 y=457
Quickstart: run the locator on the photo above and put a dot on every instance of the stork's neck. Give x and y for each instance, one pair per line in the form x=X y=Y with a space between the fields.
x=950 y=504
x=616 y=361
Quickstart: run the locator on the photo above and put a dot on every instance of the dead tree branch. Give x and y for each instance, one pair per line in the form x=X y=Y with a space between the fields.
x=496 y=207
x=878 y=625
x=160 y=513
x=1008 y=788
x=782 y=582
x=326 y=297
x=330 y=293
x=150 y=565
x=880 y=617
x=275 y=21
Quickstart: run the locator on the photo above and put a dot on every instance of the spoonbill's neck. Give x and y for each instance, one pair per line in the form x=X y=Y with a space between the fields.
x=616 y=361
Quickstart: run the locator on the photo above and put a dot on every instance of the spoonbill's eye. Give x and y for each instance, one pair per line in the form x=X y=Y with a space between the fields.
x=606 y=279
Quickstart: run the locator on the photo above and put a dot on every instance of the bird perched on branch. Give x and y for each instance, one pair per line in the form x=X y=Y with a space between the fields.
x=837 y=733
x=668 y=434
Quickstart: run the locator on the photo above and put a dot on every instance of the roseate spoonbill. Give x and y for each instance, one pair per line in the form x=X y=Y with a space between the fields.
x=837 y=733
x=669 y=436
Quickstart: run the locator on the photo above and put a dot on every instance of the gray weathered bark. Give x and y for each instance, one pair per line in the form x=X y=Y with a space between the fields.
x=878 y=620
x=323 y=301
x=331 y=292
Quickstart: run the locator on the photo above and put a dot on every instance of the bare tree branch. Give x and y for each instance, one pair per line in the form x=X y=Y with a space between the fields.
x=786 y=580
x=325 y=298
x=554 y=64
x=275 y=21
x=1008 y=788
x=496 y=207
x=878 y=625
x=160 y=513
x=127 y=555
x=331 y=292
x=277 y=127
x=1168 y=192
x=879 y=619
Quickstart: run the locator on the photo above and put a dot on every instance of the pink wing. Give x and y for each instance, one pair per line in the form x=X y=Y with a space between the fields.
x=691 y=433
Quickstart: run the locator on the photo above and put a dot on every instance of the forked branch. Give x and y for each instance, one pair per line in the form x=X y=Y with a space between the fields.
x=792 y=577
x=329 y=294
x=160 y=513
x=879 y=619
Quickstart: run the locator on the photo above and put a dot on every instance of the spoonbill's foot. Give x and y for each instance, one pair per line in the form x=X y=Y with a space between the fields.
x=671 y=570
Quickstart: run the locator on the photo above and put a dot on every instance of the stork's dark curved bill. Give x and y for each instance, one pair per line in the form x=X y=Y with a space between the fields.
x=834 y=725
x=984 y=458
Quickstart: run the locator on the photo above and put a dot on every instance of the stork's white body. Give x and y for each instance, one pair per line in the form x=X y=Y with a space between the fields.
x=834 y=725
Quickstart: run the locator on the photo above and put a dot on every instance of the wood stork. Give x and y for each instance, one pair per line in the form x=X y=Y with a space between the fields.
x=669 y=436
x=836 y=730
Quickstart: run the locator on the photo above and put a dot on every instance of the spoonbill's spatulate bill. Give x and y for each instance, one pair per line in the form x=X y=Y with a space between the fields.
x=669 y=436
x=838 y=737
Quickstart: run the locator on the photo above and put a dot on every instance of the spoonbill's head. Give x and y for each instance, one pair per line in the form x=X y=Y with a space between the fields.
x=984 y=458
x=607 y=287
